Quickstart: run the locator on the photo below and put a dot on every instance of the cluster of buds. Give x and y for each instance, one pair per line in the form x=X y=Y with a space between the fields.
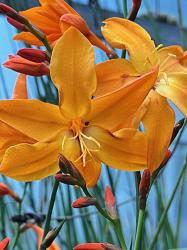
x=96 y=246
x=70 y=174
x=5 y=190
x=144 y=188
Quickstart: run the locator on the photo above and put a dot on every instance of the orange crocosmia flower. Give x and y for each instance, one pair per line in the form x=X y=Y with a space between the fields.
x=39 y=232
x=54 y=18
x=170 y=82
x=5 y=190
x=81 y=126
x=24 y=66
x=4 y=243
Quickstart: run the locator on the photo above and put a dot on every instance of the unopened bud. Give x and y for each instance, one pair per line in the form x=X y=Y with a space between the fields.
x=68 y=168
x=84 y=202
x=24 y=66
x=9 y=11
x=50 y=237
x=34 y=55
x=16 y=24
x=110 y=202
x=176 y=129
x=144 y=188
x=5 y=190
x=4 y=243
x=67 y=179
x=135 y=8
x=96 y=246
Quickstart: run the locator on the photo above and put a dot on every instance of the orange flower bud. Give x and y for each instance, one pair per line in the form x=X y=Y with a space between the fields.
x=16 y=24
x=34 y=55
x=110 y=202
x=5 y=190
x=4 y=243
x=135 y=8
x=96 y=246
x=27 y=67
x=78 y=22
x=84 y=202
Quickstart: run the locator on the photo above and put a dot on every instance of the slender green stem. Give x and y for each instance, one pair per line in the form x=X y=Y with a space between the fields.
x=139 y=229
x=125 y=11
x=50 y=210
x=137 y=177
x=115 y=222
x=17 y=234
x=118 y=230
x=167 y=207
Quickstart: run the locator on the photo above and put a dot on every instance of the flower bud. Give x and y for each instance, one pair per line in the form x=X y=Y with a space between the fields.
x=84 y=202
x=144 y=188
x=4 y=243
x=176 y=129
x=34 y=55
x=67 y=179
x=68 y=168
x=9 y=11
x=5 y=190
x=16 y=24
x=135 y=8
x=27 y=67
x=96 y=246
x=110 y=202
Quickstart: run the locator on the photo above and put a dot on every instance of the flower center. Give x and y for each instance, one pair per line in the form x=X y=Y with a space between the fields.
x=76 y=127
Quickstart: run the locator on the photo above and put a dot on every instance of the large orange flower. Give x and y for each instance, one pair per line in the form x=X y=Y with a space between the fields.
x=170 y=82
x=81 y=126
x=54 y=18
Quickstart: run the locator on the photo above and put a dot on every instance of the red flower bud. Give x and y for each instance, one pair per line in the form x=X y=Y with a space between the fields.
x=34 y=55
x=135 y=8
x=96 y=246
x=110 y=202
x=4 y=243
x=67 y=179
x=9 y=11
x=84 y=202
x=5 y=190
x=16 y=24
x=145 y=183
x=27 y=67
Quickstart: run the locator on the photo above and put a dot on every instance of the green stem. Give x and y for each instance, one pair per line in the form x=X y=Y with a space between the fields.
x=16 y=237
x=167 y=207
x=118 y=230
x=139 y=229
x=125 y=11
x=115 y=222
x=137 y=177
x=50 y=210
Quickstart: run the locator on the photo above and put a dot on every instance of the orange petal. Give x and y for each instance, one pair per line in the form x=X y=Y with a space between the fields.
x=111 y=110
x=10 y=136
x=26 y=162
x=172 y=59
x=39 y=232
x=113 y=75
x=158 y=122
x=27 y=37
x=20 y=89
x=34 y=118
x=71 y=54
x=175 y=89
x=126 y=151
x=124 y=34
